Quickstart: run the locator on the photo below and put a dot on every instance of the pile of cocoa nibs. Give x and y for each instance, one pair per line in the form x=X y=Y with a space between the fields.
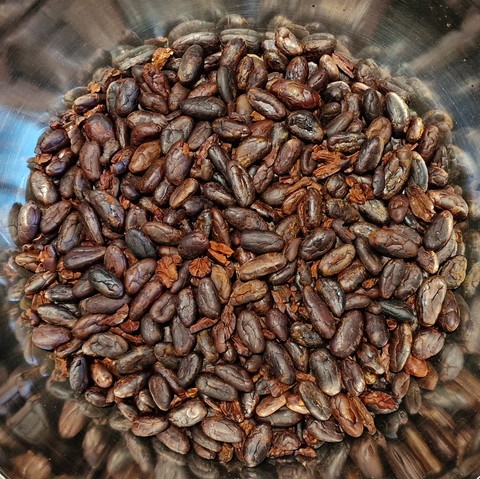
x=246 y=242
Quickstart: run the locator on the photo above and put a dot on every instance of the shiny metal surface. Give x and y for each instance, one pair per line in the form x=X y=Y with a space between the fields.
x=49 y=46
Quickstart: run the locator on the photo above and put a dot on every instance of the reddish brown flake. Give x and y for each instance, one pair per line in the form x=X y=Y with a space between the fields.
x=380 y=402
x=219 y=258
x=96 y=109
x=160 y=57
x=202 y=152
x=344 y=64
x=43 y=159
x=60 y=373
x=364 y=415
x=226 y=453
x=116 y=318
x=167 y=269
x=202 y=324
x=221 y=248
x=124 y=202
x=279 y=301
x=304 y=377
x=224 y=329
x=370 y=283
x=66 y=275
x=129 y=337
x=200 y=267
x=257 y=116
x=327 y=223
x=47 y=259
x=131 y=258
x=38 y=300
x=105 y=181
x=240 y=347
x=356 y=194
x=421 y=204
x=320 y=152
x=306 y=452
x=131 y=326
x=94 y=87
x=232 y=410
x=303 y=183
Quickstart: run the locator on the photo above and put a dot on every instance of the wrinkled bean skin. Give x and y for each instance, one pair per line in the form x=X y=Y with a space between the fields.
x=256 y=446
x=49 y=337
x=83 y=256
x=108 y=208
x=400 y=346
x=319 y=314
x=90 y=220
x=106 y=283
x=260 y=242
x=235 y=376
x=162 y=233
x=287 y=156
x=241 y=184
x=207 y=299
x=346 y=415
x=439 y=231
x=70 y=233
x=212 y=386
x=326 y=371
x=252 y=149
x=261 y=266
x=28 y=222
x=333 y=294
x=43 y=188
x=177 y=163
x=277 y=322
x=191 y=64
x=427 y=343
x=107 y=345
x=250 y=331
x=393 y=243
x=398 y=208
x=391 y=277
x=139 y=243
x=318 y=243
x=430 y=298
x=193 y=245
x=78 y=376
x=266 y=104
x=316 y=402
x=397 y=310
x=352 y=375
x=348 y=335
x=449 y=318
x=306 y=126
x=396 y=172
x=204 y=108
x=370 y=155
x=295 y=95
x=222 y=429
x=160 y=391
x=188 y=414
x=398 y=112
x=337 y=260
x=280 y=362
x=138 y=274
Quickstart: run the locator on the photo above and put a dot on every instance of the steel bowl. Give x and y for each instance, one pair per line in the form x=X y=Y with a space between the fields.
x=51 y=46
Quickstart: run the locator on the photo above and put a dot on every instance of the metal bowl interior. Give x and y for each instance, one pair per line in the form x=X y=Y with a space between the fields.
x=50 y=46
